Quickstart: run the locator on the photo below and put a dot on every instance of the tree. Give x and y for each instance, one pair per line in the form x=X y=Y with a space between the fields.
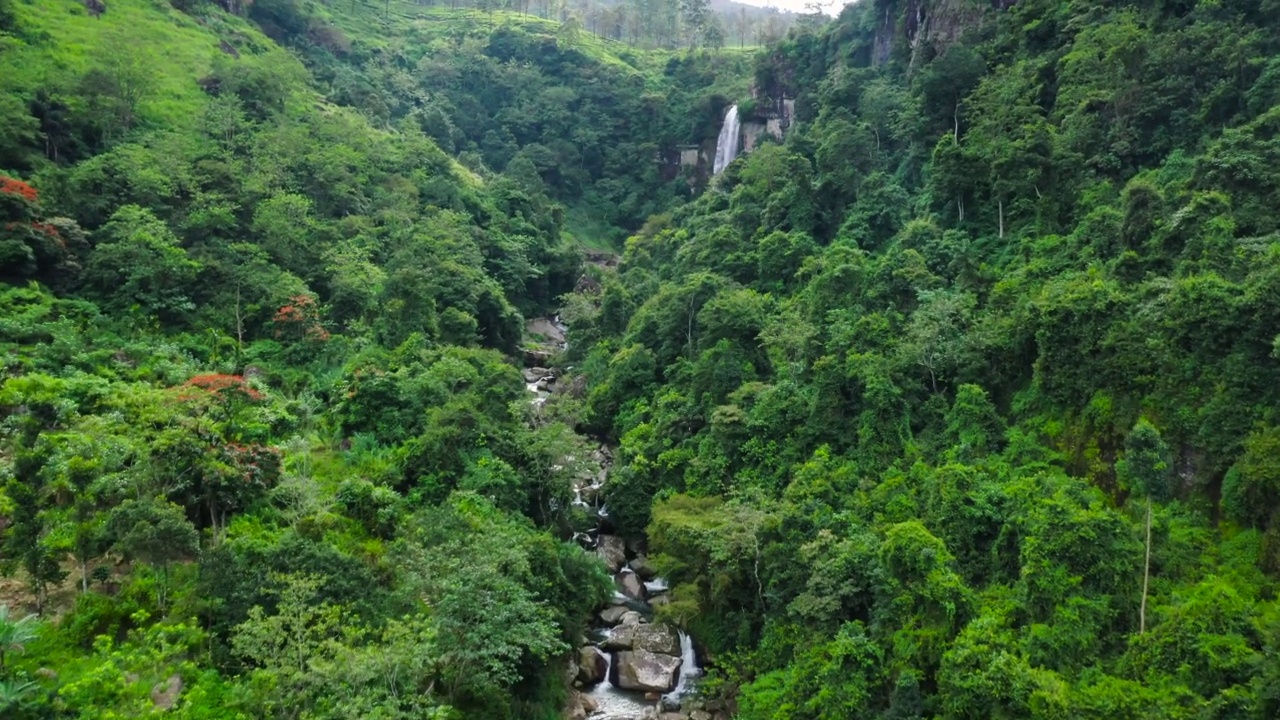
x=155 y=532
x=936 y=339
x=1012 y=138
x=117 y=88
x=974 y=428
x=28 y=538
x=139 y=266
x=947 y=81
x=696 y=15
x=1145 y=468
x=1253 y=482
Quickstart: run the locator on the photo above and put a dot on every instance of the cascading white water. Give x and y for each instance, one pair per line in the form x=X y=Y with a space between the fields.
x=727 y=143
x=613 y=703
x=689 y=670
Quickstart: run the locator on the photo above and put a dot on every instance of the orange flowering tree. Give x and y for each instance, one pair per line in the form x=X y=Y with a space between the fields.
x=216 y=454
x=300 y=319
x=33 y=247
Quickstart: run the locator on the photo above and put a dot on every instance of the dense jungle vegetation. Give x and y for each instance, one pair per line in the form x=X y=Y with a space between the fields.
x=961 y=401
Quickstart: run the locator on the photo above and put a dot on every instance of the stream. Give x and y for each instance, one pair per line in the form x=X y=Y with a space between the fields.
x=629 y=667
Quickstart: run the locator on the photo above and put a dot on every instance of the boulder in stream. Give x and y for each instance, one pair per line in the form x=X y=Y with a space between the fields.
x=613 y=615
x=620 y=638
x=643 y=568
x=656 y=638
x=629 y=584
x=646 y=671
x=592 y=666
x=534 y=374
x=613 y=551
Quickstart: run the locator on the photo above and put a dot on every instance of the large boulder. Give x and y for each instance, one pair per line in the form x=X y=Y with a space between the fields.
x=165 y=695
x=577 y=708
x=629 y=584
x=656 y=638
x=613 y=551
x=643 y=568
x=592 y=666
x=613 y=615
x=620 y=638
x=534 y=374
x=645 y=671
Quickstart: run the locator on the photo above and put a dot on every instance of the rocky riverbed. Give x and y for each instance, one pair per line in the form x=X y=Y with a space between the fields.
x=630 y=667
x=633 y=668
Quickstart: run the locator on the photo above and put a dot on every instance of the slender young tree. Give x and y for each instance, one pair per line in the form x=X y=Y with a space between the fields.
x=1145 y=469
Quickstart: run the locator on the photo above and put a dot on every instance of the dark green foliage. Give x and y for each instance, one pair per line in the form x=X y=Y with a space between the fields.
x=1002 y=277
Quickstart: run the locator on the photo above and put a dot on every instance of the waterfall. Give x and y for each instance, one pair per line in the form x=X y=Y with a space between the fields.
x=727 y=143
x=689 y=669
x=612 y=702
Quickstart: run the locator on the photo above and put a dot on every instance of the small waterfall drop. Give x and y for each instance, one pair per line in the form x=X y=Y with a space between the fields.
x=727 y=143
x=689 y=670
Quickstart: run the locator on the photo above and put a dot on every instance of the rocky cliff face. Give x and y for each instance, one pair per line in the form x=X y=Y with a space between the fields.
x=927 y=27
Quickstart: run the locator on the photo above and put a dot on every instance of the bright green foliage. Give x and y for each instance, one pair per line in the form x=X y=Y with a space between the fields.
x=15 y=633
x=1145 y=465
x=155 y=533
x=266 y=268
x=958 y=401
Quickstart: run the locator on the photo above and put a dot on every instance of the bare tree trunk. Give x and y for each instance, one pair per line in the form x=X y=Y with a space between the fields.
x=239 y=324
x=1000 y=204
x=1146 y=576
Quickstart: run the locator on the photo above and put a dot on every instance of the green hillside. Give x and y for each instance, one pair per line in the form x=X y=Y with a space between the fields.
x=257 y=342
x=962 y=402
x=959 y=400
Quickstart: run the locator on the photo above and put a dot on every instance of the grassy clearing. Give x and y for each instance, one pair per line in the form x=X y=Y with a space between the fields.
x=418 y=25
x=586 y=229
x=61 y=41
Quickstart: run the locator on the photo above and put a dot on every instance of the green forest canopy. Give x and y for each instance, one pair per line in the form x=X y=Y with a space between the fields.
x=958 y=402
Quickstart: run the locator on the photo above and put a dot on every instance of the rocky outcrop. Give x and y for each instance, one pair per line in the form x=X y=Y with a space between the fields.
x=645 y=671
x=928 y=27
x=165 y=695
x=579 y=707
x=657 y=638
x=612 y=615
x=613 y=551
x=628 y=583
x=592 y=666
x=642 y=567
x=620 y=638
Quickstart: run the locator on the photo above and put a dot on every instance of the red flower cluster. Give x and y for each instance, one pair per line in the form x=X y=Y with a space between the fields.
x=10 y=186
x=217 y=384
x=259 y=464
x=49 y=231
x=299 y=309
x=301 y=312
